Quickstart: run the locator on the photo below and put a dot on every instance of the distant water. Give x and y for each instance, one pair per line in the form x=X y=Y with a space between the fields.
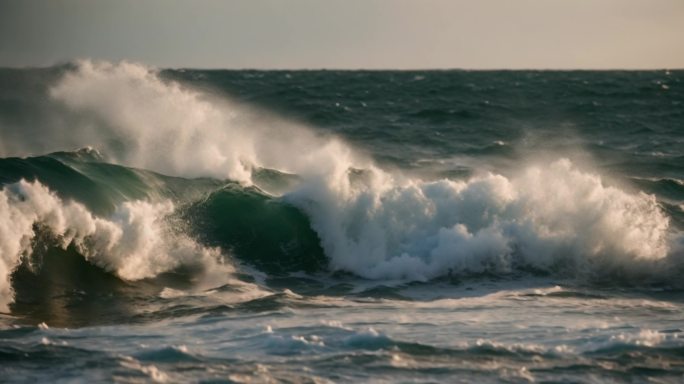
x=341 y=226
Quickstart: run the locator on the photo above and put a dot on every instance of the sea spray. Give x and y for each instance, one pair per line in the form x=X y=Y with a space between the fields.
x=141 y=120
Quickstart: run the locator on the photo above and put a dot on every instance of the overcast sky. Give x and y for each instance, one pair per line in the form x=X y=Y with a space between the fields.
x=402 y=34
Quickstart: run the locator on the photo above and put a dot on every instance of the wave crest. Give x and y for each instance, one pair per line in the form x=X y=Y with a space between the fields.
x=134 y=243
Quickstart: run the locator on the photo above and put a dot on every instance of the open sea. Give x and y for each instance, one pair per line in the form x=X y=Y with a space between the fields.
x=216 y=226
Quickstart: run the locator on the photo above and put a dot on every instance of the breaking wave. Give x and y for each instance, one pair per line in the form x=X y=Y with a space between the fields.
x=134 y=242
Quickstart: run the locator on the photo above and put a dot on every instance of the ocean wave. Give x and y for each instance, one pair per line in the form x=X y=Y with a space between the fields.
x=285 y=198
x=571 y=225
x=133 y=242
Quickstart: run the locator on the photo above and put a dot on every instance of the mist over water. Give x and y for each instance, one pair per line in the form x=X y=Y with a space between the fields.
x=205 y=197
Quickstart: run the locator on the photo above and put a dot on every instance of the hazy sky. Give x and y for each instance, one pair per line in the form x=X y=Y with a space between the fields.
x=347 y=33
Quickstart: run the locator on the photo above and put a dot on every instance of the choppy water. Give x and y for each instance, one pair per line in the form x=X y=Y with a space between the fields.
x=325 y=226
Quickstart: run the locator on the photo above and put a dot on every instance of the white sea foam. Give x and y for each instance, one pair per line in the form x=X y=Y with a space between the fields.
x=134 y=242
x=645 y=337
x=545 y=217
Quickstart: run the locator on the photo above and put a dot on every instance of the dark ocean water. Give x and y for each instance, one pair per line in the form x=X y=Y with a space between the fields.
x=341 y=226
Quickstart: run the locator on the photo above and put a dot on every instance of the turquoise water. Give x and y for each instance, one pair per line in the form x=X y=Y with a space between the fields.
x=340 y=226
